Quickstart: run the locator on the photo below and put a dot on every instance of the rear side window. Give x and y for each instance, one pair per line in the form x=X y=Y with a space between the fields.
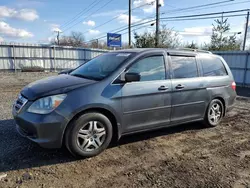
x=184 y=67
x=213 y=67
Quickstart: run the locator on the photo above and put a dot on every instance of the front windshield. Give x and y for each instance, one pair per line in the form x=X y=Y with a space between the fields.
x=101 y=66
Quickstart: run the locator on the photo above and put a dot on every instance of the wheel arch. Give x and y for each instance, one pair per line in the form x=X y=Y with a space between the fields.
x=105 y=111
x=223 y=102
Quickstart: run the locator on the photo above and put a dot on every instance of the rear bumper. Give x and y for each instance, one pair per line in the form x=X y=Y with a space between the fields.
x=45 y=130
x=230 y=103
x=229 y=108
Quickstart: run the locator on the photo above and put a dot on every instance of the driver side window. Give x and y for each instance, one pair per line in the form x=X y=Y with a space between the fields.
x=150 y=68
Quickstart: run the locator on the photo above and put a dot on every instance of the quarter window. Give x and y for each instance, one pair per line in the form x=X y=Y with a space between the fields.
x=150 y=68
x=184 y=67
x=212 y=67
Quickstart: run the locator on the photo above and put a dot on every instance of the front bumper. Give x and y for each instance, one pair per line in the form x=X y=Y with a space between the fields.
x=46 y=130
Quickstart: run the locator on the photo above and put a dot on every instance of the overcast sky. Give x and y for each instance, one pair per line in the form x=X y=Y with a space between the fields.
x=32 y=21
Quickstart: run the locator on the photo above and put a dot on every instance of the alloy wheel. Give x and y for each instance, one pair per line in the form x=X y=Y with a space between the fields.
x=215 y=113
x=91 y=136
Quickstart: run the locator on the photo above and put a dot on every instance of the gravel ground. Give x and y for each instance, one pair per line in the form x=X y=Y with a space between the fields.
x=185 y=156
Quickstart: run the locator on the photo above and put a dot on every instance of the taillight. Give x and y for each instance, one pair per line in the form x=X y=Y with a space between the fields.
x=234 y=86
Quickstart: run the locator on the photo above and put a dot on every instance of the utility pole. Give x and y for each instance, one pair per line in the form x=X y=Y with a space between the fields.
x=129 y=23
x=157 y=23
x=246 y=28
x=97 y=43
x=58 y=37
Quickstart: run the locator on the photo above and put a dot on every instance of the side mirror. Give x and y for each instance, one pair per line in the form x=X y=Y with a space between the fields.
x=67 y=71
x=132 y=77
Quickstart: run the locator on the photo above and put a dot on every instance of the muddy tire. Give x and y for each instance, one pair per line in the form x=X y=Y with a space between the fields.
x=214 y=113
x=88 y=135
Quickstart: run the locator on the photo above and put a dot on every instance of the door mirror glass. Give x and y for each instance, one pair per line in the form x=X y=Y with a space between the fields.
x=132 y=77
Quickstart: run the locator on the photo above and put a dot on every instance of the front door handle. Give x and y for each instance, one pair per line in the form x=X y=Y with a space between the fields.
x=162 y=88
x=180 y=86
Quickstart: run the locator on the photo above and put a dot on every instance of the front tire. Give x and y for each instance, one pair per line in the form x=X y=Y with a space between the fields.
x=214 y=113
x=89 y=135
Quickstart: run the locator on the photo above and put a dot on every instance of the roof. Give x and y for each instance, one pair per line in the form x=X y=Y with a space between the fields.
x=183 y=51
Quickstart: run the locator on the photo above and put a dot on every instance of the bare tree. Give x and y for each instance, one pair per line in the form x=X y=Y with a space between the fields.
x=75 y=39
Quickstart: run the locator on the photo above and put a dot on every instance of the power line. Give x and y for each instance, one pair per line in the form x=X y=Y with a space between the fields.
x=200 y=15
x=187 y=9
x=204 y=18
x=198 y=6
x=121 y=34
x=81 y=13
x=173 y=11
x=197 y=9
x=235 y=15
x=119 y=16
x=89 y=15
x=122 y=28
x=187 y=17
x=143 y=25
x=178 y=17
x=209 y=14
x=205 y=6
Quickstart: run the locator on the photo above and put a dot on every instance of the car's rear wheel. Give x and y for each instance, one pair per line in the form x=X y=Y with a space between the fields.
x=214 y=113
x=89 y=135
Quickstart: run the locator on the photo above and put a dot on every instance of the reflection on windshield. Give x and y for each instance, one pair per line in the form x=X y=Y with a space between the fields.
x=101 y=66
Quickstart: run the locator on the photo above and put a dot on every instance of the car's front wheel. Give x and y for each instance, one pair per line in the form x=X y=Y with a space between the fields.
x=89 y=135
x=214 y=113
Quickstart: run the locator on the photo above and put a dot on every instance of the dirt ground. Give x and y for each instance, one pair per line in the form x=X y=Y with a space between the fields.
x=185 y=156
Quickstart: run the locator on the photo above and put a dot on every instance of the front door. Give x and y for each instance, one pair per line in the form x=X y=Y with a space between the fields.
x=147 y=103
x=189 y=94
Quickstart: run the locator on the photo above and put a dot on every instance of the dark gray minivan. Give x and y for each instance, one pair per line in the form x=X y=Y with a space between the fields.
x=124 y=92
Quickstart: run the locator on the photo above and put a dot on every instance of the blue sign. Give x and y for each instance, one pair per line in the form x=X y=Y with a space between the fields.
x=114 y=40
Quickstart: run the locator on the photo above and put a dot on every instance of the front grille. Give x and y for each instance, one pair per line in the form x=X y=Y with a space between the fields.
x=19 y=103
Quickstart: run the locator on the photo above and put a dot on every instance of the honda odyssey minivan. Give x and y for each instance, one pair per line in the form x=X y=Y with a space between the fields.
x=124 y=92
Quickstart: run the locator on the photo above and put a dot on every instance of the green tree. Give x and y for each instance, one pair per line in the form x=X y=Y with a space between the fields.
x=145 y=40
x=191 y=45
x=220 y=41
x=167 y=39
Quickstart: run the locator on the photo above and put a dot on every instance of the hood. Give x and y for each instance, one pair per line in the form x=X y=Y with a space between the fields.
x=53 y=85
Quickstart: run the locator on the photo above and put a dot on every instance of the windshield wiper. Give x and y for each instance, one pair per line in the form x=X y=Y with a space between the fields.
x=86 y=77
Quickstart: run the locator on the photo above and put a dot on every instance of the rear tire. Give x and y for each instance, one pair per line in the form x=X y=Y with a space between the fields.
x=214 y=113
x=88 y=135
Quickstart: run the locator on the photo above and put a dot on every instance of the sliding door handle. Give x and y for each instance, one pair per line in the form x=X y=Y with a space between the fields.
x=161 y=88
x=179 y=86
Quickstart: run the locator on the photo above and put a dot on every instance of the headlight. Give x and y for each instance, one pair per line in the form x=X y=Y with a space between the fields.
x=47 y=104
